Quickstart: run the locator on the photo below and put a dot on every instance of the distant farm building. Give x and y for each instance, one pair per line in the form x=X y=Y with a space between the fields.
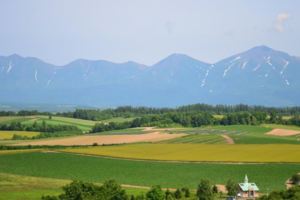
x=247 y=190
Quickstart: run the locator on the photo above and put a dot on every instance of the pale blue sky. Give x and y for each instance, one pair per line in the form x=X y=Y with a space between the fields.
x=59 y=31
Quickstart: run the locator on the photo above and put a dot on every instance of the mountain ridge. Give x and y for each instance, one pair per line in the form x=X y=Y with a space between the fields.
x=260 y=75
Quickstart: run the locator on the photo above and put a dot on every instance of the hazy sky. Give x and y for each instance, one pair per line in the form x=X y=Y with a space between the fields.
x=59 y=31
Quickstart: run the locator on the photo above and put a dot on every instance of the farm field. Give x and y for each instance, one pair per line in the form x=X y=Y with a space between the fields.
x=241 y=134
x=84 y=125
x=16 y=187
x=103 y=139
x=7 y=135
x=8 y=119
x=198 y=152
x=143 y=173
x=128 y=131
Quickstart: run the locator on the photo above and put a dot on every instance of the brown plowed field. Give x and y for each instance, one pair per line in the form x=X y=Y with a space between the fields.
x=283 y=132
x=104 y=139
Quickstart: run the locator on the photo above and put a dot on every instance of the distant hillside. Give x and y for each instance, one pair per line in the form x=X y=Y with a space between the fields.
x=260 y=75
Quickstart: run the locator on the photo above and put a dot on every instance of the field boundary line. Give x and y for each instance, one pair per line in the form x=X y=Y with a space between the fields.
x=167 y=161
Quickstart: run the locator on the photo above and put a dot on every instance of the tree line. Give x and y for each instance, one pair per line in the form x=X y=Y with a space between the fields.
x=129 y=111
x=47 y=129
x=111 y=190
x=197 y=119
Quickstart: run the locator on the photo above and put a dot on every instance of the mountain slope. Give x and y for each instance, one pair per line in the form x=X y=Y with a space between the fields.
x=260 y=75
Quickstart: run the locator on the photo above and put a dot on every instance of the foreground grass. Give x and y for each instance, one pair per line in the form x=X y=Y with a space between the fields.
x=15 y=187
x=7 y=135
x=198 y=152
x=144 y=173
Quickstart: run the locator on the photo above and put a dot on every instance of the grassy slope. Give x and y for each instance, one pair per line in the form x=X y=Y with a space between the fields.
x=198 y=138
x=198 y=152
x=145 y=173
x=4 y=135
x=16 y=187
x=242 y=134
x=132 y=131
x=84 y=125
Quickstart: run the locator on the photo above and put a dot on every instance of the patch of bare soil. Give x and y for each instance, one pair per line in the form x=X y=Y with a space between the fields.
x=283 y=132
x=228 y=139
x=104 y=139
x=221 y=188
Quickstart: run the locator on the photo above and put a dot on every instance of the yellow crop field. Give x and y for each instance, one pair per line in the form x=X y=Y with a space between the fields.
x=6 y=135
x=2 y=152
x=198 y=152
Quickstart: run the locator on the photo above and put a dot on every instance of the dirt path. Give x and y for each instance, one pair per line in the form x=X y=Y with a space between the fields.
x=283 y=132
x=228 y=139
x=104 y=139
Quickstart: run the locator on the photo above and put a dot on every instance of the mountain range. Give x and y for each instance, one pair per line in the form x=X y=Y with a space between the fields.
x=258 y=76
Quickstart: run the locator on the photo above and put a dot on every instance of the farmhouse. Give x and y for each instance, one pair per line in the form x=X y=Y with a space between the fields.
x=247 y=190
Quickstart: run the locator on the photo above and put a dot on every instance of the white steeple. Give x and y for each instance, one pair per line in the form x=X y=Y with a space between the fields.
x=246 y=179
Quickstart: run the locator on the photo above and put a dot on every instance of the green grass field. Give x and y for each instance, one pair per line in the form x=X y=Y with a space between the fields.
x=84 y=125
x=7 y=135
x=9 y=119
x=143 y=173
x=129 y=131
x=241 y=134
x=198 y=152
x=16 y=187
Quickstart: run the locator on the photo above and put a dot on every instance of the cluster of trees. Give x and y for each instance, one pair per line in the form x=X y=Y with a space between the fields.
x=23 y=113
x=129 y=111
x=185 y=119
x=125 y=111
x=39 y=127
x=101 y=127
x=197 y=119
x=194 y=119
x=292 y=193
x=111 y=190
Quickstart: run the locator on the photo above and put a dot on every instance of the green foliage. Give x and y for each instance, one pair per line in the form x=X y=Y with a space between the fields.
x=169 y=195
x=232 y=188
x=155 y=193
x=44 y=127
x=78 y=190
x=178 y=194
x=296 y=179
x=49 y=197
x=186 y=191
x=215 y=189
x=204 y=190
x=290 y=194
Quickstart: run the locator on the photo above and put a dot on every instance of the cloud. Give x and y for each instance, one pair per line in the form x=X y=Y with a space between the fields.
x=280 y=21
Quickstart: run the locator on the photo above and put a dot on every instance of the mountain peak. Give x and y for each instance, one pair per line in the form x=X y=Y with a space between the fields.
x=178 y=59
x=262 y=48
x=14 y=56
x=176 y=56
